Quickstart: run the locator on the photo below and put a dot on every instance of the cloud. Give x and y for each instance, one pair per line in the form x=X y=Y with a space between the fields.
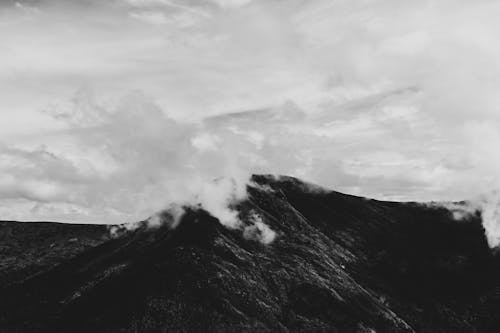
x=151 y=17
x=257 y=230
x=378 y=98
x=151 y=161
x=132 y=159
x=232 y=3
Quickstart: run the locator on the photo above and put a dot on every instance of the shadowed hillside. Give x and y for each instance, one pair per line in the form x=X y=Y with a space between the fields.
x=28 y=248
x=339 y=263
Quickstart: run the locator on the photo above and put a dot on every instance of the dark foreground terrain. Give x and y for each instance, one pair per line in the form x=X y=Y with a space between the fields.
x=339 y=263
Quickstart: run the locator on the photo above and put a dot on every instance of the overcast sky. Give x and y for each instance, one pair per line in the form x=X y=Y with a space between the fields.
x=112 y=109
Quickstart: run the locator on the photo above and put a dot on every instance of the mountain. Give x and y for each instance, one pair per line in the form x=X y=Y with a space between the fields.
x=339 y=263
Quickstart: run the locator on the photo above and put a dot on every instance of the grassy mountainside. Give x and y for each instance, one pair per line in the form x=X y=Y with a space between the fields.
x=28 y=248
x=339 y=263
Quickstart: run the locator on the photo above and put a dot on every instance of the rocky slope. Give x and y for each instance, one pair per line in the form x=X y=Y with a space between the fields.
x=29 y=248
x=339 y=263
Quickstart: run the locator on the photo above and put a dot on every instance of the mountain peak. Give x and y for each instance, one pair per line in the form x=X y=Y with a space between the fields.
x=337 y=263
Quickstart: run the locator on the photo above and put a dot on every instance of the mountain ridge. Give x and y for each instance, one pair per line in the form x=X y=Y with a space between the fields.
x=339 y=263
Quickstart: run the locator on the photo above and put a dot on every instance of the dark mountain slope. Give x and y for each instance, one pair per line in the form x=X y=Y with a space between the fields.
x=28 y=248
x=339 y=264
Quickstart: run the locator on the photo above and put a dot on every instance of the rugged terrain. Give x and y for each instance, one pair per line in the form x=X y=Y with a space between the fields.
x=339 y=263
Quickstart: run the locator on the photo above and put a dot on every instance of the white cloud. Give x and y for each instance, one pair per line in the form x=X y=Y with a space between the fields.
x=232 y=3
x=381 y=98
x=151 y=17
x=205 y=142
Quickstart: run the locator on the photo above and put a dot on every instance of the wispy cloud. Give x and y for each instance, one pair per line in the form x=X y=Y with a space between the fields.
x=380 y=98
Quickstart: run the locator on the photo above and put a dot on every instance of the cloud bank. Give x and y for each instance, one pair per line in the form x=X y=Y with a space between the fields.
x=387 y=99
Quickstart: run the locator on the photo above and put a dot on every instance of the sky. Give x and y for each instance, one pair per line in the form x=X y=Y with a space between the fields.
x=112 y=110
